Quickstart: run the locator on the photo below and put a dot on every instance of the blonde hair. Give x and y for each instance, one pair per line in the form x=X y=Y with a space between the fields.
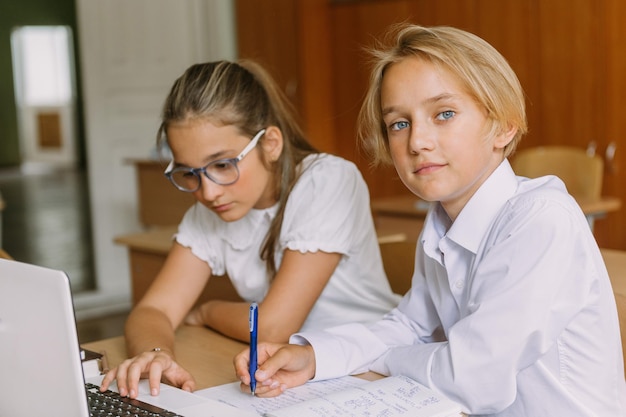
x=482 y=70
x=244 y=95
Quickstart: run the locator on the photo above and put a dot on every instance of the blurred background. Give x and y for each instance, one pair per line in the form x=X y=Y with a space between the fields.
x=82 y=82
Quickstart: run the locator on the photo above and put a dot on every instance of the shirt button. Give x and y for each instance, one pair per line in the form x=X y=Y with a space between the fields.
x=459 y=284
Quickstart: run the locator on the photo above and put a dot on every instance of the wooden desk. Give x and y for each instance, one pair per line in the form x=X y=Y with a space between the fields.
x=208 y=355
x=407 y=213
x=599 y=207
x=596 y=209
x=203 y=352
x=400 y=214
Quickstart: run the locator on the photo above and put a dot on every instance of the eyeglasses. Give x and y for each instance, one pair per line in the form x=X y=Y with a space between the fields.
x=222 y=171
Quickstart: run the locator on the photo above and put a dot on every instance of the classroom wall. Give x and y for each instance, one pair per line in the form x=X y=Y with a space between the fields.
x=131 y=53
x=568 y=54
x=562 y=49
x=20 y=13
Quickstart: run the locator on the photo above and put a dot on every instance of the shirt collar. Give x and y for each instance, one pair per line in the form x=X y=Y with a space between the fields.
x=472 y=223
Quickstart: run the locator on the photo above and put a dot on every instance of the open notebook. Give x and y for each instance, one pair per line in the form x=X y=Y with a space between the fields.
x=40 y=355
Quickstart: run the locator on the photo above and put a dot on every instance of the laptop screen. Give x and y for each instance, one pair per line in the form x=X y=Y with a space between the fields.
x=39 y=349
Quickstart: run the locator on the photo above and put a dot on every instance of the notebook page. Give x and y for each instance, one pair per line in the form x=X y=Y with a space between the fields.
x=389 y=397
x=232 y=395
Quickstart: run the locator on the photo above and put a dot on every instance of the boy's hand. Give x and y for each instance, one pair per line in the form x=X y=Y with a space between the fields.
x=281 y=366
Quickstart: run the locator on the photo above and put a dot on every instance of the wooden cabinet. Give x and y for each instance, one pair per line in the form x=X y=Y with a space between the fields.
x=147 y=252
x=160 y=203
x=568 y=55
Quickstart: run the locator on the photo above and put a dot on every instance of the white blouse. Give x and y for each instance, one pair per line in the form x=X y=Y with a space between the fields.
x=328 y=210
x=518 y=287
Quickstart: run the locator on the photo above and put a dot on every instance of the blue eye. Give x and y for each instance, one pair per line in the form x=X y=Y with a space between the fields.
x=446 y=115
x=399 y=125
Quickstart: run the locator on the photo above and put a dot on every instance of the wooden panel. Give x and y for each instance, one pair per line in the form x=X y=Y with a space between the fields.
x=575 y=92
x=355 y=26
x=315 y=86
x=292 y=40
x=457 y=13
x=611 y=231
x=510 y=28
x=572 y=99
x=568 y=55
x=266 y=32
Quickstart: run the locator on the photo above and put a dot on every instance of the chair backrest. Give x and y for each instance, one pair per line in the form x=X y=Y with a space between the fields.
x=581 y=173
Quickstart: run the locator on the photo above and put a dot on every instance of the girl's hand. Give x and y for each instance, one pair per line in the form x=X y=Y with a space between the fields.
x=155 y=365
x=281 y=366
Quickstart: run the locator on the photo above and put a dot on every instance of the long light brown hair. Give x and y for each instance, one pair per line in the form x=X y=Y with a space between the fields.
x=244 y=95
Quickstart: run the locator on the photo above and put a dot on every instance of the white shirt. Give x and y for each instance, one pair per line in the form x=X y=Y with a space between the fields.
x=518 y=286
x=328 y=210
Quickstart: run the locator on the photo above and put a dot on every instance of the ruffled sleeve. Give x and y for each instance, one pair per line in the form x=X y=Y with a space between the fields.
x=326 y=207
x=195 y=231
x=226 y=246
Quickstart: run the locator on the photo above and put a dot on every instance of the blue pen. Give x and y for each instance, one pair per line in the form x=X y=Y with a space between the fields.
x=253 y=321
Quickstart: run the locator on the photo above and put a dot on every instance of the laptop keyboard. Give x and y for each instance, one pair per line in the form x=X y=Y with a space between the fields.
x=110 y=403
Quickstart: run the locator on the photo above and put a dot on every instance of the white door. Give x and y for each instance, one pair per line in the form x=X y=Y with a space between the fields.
x=45 y=95
x=131 y=52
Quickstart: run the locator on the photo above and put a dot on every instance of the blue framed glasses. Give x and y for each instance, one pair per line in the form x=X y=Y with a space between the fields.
x=222 y=171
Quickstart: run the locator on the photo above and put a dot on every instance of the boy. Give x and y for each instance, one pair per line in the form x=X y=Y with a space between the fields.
x=511 y=311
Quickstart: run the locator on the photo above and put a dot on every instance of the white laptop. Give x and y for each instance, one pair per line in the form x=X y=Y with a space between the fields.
x=40 y=366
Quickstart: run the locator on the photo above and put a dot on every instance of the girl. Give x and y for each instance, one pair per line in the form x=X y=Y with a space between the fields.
x=290 y=226
x=511 y=311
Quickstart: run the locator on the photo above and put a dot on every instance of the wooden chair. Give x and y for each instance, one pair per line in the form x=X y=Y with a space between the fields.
x=581 y=173
x=615 y=261
x=399 y=257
